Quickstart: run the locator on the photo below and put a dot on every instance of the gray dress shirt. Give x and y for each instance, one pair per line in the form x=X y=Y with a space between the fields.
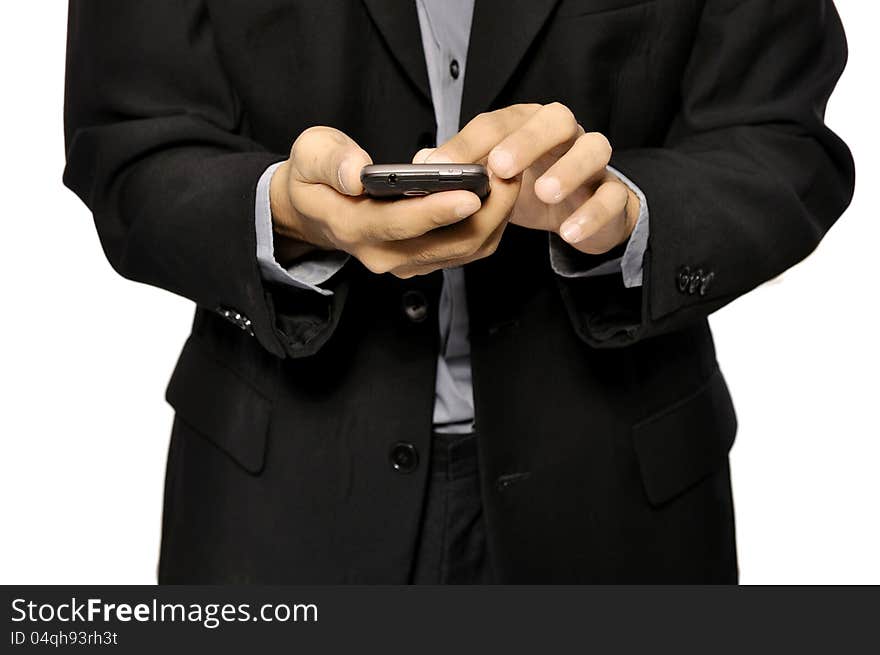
x=445 y=30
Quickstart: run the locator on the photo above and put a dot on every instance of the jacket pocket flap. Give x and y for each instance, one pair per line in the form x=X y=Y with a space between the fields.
x=220 y=405
x=685 y=442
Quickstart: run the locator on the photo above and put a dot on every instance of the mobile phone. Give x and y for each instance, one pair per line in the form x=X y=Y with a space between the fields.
x=400 y=180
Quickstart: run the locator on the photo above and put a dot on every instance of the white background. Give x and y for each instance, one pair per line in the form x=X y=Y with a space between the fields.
x=85 y=356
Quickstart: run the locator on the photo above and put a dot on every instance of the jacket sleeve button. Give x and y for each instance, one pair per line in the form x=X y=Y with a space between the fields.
x=705 y=282
x=683 y=279
x=695 y=281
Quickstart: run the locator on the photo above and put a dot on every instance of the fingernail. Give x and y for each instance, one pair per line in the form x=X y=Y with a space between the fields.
x=432 y=157
x=340 y=175
x=572 y=231
x=501 y=162
x=550 y=188
x=467 y=208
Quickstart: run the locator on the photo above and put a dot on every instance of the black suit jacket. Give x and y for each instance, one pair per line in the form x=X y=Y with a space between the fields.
x=610 y=399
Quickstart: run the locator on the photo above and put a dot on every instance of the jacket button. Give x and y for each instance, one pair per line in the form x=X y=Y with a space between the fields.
x=415 y=306
x=404 y=457
x=683 y=280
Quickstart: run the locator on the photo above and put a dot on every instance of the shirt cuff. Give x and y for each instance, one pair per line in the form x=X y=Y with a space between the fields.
x=307 y=273
x=565 y=260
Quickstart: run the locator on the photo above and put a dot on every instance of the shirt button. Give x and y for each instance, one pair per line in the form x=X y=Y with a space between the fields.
x=404 y=457
x=454 y=69
x=415 y=306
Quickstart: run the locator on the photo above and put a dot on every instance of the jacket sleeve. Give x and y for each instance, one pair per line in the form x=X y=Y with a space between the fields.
x=157 y=151
x=748 y=178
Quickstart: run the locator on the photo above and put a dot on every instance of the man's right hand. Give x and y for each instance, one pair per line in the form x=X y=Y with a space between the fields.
x=317 y=199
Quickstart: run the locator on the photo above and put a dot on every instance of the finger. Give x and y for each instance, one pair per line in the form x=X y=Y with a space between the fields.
x=411 y=218
x=605 y=208
x=422 y=155
x=583 y=163
x=353 y=221
x=550 y=127
x=486 y=250
x=463 y=240
x=324 y=155
x=606 y=238
x=480 y=135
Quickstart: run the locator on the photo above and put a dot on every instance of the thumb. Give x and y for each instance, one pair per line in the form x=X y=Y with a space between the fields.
x=422 y=155
x=324 y=155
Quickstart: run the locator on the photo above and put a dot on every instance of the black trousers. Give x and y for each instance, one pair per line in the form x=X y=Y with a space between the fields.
x=451 y=547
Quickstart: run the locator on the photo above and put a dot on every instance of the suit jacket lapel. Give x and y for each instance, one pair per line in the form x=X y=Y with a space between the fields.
x=501 y=32
x=398 y=21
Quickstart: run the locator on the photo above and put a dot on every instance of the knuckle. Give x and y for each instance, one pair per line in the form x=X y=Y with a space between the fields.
x=620 y=193
x=468 y=249
x=422 y=257
x=510 y=118
x=396 y=232
x=455 y=149
x=377 y=265
x=314 y=130
x=437 y=219
x=586 y=140
x=612 y=198
x=429 y=256
x=526 y=108
x=602 y=209
x=345 y=233
x=562 y=115
x=483 y=120
x=601 y=143
x=310 y=134
x=489 y=249
x=298 y=146
x=310 y=143
x=593 y=247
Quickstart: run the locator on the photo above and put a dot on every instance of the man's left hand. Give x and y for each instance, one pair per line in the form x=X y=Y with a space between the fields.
x=565 y=185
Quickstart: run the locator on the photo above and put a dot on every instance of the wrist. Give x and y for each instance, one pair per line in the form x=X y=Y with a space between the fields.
x=289 y=243
x=632 y=209
x=280 y=205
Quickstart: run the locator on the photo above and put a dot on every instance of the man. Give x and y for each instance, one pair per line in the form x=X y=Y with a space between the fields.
x=438 y=390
